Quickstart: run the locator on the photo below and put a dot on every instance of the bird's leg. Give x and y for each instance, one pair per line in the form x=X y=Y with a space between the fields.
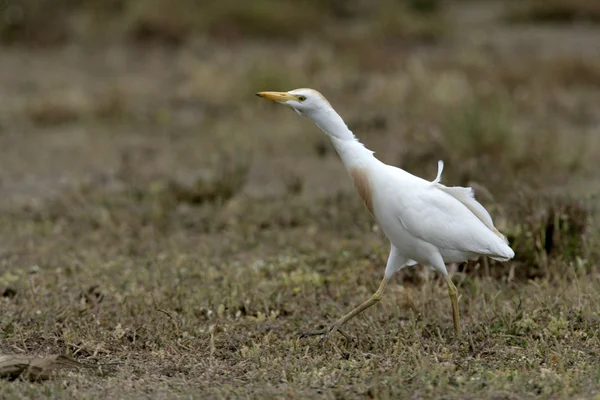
x=453 y=293
x=375 y=298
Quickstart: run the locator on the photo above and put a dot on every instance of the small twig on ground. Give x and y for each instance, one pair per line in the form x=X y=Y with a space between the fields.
x=156 y=308
x=212 y=344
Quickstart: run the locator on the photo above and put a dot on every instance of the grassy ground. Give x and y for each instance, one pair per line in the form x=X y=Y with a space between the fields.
x=173 y=233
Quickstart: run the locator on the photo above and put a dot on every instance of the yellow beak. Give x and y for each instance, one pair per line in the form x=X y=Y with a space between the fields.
x=277 y=96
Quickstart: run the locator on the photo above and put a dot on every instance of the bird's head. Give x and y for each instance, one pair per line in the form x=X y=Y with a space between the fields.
x=307 y=102
x=312 y=104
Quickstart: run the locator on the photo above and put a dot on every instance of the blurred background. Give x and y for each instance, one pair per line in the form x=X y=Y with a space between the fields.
x=134 y=156
x=156 y=97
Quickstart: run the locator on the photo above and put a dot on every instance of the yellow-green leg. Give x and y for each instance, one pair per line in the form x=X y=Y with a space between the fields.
x=340 y=322
x=453 y=293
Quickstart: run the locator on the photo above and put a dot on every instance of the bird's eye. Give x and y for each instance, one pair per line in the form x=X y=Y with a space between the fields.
x=301 y=98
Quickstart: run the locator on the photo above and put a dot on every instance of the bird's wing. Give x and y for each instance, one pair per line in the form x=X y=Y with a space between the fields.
x=448 y=217
x=466 y=196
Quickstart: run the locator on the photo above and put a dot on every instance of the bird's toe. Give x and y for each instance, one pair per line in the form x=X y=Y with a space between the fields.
x=324 y=333
x=318 y=332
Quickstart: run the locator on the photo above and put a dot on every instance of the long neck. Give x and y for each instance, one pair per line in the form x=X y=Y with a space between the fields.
x=332 y=124
x=350 y=150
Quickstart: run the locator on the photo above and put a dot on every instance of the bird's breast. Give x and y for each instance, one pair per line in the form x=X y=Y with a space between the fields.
x=363 y=185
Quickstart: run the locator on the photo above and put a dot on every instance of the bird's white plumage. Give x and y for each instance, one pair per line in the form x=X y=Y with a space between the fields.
x=426 y=222
x=438 y=177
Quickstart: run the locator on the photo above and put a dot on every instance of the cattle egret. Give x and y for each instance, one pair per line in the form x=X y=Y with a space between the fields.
x=426 y=222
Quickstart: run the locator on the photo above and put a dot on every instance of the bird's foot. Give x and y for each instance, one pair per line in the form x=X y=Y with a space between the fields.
x=324 y=333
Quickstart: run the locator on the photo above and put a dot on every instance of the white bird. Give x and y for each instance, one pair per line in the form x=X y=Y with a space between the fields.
x=426 y=222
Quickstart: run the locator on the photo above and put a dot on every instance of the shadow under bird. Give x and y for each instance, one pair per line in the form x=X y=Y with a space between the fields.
x=426 y=222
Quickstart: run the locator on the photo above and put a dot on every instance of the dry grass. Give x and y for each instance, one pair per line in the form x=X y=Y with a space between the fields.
x=144 y=295
x=34 y=21
x=556 y=71
x=163 y=22
x=52 y=113
x=555 y=11
x=173 y=234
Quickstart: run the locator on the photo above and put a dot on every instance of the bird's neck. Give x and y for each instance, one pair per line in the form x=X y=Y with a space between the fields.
x=353 y=153
x=350 y=150
x=333 y=125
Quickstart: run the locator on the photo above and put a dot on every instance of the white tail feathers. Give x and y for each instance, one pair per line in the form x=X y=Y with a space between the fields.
x=502 y=253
